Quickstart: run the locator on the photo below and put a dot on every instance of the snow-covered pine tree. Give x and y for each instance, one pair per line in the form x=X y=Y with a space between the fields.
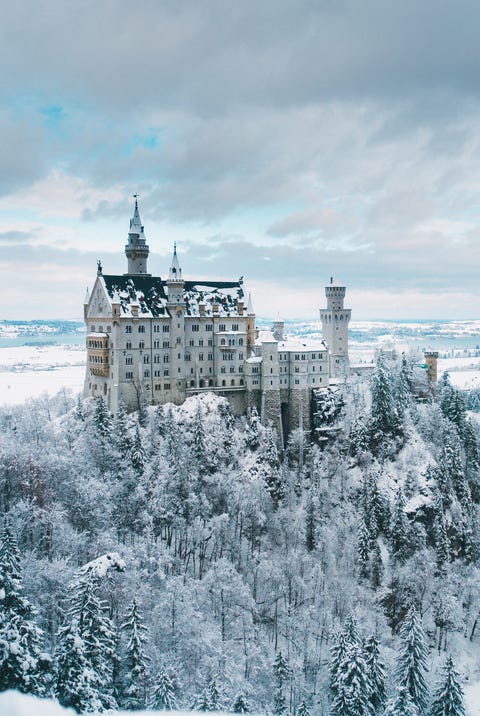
x=97 y=632
x=213 y=695
x=442 y=544
x=338 y=652
x=376 y=673
x=281 y=671
x=135 y=662
x=75 y=683
x=363 y=550
x=401 y=705
x=240 y=705
x=199 y=444
x=384 y=418
x=448 y=698
x=400 y=529
x=411 y=666
x=353 y=686
x=163 y=695
x=252 y=434
x=137 y=453
x=302 y=709
x=405 y=383
x=20 y=637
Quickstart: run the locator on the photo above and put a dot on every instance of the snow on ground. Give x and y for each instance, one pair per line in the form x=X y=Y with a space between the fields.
x=12 y=703
x=30 y=371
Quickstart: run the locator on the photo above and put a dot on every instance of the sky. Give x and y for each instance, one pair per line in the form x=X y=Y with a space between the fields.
x=283 y=141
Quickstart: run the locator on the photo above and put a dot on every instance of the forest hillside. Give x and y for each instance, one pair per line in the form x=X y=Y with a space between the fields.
x=177 y=558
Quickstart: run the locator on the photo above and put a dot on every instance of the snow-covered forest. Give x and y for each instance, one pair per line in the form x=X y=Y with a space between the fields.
x=177 y=558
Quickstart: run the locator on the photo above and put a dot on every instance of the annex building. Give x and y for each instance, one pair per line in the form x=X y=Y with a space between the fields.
x=152 y=340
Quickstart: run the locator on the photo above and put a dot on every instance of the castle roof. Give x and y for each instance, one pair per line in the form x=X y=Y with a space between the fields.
x=149 y=292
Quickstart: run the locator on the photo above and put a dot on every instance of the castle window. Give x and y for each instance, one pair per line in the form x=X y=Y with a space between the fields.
x=210 y=342
x=232 y=369
x=166 y=344
x=271 y=382
x=240 y=341
x=271 y=357
x=255 y=369
x=297 y=357
x=109 y=329
x=223 y=342
x=271 y=370
x=210 y=356
x=100 y=329
x=223 y=383
x=192 y=342
x=129 y=375
x=166 y=359
x=141 y=344
x=240 y=356
x=156 y=358
x=200 y=342
x=191 y=371
x=146 y=374
x=222 y=327
x=165 y=373
x=156 y=328
x=179 y=340
x=223 y=369
x=231 y=342
x=319 y=367
x=240 y=368
x=157 y=373
x=313 y=380
x=297 y=382
x=195 y=328
x=146 y=359
x=313 y=369
x=187 y=356
x=241 y=381
x=129 y=360
x=167 y=386
x=128 y=345
x=156 y=344
x=232 y=382
x=297 y=370
x=303 y=356
x=157 y=386
x=165 y=329
x=209 y=327
x=92 y=329
x=141 y=329
x=200 y=356
x=235 y=327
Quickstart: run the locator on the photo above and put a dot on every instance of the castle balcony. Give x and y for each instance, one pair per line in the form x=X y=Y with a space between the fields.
x=98 y=354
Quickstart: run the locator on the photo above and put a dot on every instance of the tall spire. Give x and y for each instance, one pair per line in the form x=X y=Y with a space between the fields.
x=250 y=311
x=175 y=273
x=136 y=249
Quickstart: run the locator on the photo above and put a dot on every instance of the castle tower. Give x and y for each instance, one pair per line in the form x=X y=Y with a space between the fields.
x=176 y=308
x=136 y=250
x=431 y=359
x=335 y=319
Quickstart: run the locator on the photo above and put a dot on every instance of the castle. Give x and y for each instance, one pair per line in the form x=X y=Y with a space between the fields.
x=152 y=340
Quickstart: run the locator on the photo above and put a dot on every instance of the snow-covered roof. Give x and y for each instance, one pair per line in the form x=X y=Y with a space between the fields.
x=265 y=337
x=254 y=359
x=293 y=344
x=225 y=294
x=147 y=291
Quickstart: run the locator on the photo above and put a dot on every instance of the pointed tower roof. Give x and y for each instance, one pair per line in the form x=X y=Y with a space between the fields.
x=136 y=228
x=87 y=297
x=175 y=273
x=250 y=311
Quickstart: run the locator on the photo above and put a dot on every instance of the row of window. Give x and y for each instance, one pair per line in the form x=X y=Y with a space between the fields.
x=231 y=342
x=98 y=359
x=156 y=328
x=100 y=329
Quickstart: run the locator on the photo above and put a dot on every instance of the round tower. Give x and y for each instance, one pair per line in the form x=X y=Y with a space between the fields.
x=136 y=250
x=335 y=319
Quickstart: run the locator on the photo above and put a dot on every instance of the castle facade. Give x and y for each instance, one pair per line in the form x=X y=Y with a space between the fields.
x=152 y=340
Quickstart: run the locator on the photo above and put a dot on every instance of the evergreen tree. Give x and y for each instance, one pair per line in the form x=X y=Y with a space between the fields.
x=240 y=705
x=135 y=662
x=376 y=673
x=400 y=530
x=401 y=705
x=302 y=709
x=376 y=565
x=75 y=683
x=20 y=638
x=411 y=664
x=310 y=523
x=199 y=440
x=163 y=697
x=353 y=686
x=252 y=434
x=448 y=699
x=213 y=695
x=442 y=544
x=137 y=453
x=363 y=550
x=405 y=383
x=281 y=672
x=384 y=419
x=96 y=630
x=338 y=651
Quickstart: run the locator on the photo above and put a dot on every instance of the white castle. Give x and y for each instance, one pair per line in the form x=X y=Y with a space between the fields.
x=152 y=340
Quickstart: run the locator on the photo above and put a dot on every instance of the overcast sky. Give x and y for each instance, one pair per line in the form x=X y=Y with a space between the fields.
x=283 y=140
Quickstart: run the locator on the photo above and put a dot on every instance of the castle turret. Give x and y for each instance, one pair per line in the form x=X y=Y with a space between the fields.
x=431 y=359
x=136 y=250
x=335 y=319
x=176 y=308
